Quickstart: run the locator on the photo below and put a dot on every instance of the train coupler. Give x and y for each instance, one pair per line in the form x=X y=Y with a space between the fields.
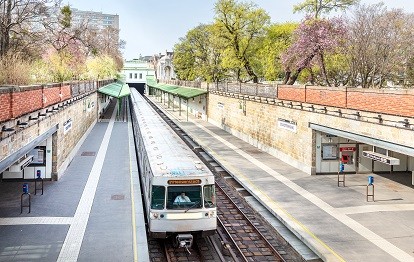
x=184 y=240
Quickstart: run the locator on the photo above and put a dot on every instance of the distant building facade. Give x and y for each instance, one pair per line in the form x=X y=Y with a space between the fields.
x=135 y=73
x=164 y=67
x=97 y=20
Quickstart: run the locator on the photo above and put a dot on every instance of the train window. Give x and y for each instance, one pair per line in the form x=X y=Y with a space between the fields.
x=158 y=196
x=184 y=197
x=209 y=196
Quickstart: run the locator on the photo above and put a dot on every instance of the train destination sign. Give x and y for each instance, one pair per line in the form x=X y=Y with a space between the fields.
x=381 y=158
x=184 y=182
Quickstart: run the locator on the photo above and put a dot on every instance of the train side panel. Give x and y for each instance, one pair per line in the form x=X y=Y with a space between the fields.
x=167 y=167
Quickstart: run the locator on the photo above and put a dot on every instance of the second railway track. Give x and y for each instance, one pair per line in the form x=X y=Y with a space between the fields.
x=242 y=229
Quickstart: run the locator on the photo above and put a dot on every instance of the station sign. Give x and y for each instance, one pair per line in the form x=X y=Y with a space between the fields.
x=381 y=158
x=67 y=125
x=286 y=124
x=184 y=181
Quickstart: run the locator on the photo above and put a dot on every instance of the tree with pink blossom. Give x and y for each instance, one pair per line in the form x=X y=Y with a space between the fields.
x=313 y=39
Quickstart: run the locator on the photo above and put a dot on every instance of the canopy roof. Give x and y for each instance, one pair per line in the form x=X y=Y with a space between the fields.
x=181 y=91
x=117 y=89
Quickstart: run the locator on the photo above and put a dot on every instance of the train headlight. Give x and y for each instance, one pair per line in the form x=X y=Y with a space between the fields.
x=211 y=214
x=154 y=215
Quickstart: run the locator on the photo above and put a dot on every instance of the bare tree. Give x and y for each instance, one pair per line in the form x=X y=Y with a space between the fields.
x=379 y=45
x=318 y=7
x=20 y=22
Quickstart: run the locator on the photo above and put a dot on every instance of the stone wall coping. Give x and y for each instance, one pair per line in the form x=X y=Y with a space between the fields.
x=293 y=86
x=397 y=91
x=382 y=91
x=9 y=89
x=330 y=88
x=27 y=88
x=6 y=89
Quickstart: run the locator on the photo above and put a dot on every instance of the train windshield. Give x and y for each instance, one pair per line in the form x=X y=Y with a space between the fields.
x=209 y=196
x=184 y=197
x=157 y=197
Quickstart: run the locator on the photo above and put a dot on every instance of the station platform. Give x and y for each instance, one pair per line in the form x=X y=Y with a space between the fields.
x=92 y=213
x=336 y=223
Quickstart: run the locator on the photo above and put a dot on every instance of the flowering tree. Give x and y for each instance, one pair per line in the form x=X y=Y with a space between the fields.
x=101 y=67
x=313 y=39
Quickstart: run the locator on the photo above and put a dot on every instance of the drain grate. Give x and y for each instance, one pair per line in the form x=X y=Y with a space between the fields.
x=88 y=153
x=117 y=197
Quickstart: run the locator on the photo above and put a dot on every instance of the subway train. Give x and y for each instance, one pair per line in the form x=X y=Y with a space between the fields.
x=178 y=188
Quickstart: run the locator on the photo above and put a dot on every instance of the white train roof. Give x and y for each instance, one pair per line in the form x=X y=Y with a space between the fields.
x=167 y=152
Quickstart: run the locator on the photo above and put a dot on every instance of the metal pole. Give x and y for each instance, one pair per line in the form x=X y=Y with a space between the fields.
x=187 y=110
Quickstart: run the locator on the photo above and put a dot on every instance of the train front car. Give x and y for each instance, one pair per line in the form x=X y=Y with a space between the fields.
x=178 y=187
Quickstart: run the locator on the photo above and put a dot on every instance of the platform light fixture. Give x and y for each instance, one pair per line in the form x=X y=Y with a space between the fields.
x=405 y=123
x=21 y=124
x=32 y=118
x=380 y=119
x=7 y=129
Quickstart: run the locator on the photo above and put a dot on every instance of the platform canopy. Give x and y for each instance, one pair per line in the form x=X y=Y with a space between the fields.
x=181 y=91
x=117 y=89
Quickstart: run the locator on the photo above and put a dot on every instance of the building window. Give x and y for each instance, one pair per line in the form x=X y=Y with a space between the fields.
x=130 y=75
x=135 y=75
x=140 y=75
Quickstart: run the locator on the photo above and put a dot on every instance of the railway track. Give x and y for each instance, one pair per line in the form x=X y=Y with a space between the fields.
x=242 y=234
x=203 y=249
x=241 y=230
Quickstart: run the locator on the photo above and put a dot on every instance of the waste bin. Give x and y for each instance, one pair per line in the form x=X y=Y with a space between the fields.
x=370 y=180
x=25 y=188
x=341 y=167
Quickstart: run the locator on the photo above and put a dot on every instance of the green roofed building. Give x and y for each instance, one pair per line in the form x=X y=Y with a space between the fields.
x=191 y=98
x=136 y=71
x=118 y=90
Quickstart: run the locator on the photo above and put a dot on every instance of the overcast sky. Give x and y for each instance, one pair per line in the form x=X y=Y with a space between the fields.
x=151 y=27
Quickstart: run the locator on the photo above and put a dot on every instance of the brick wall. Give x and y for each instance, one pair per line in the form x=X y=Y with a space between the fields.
x=291 y=93
x=16 y=101
x=65 y=91
x=394 y=102
x=51 y=95
x=5 y=106
x=26 y=100
x=326 y=96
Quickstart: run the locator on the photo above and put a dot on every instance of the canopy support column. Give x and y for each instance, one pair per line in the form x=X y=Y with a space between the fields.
x=187 y=109
x=179 y=112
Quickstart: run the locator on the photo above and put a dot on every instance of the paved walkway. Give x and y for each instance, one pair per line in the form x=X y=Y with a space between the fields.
x=336 y=222
x=93 y=213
